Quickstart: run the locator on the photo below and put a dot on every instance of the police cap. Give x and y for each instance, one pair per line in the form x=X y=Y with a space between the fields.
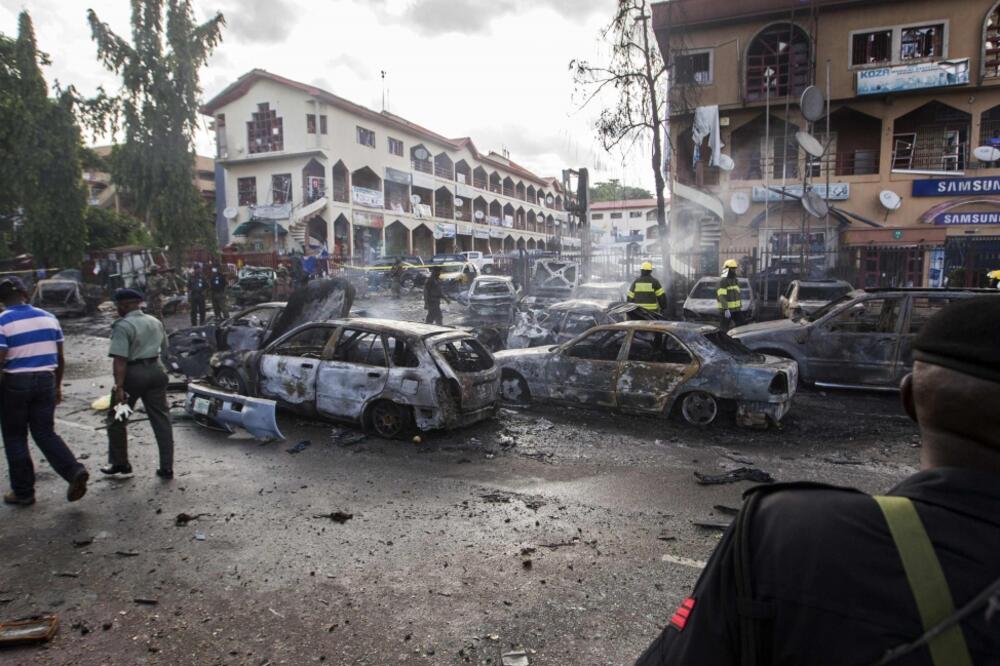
x=963 y=337
x=9 y=284
x=125 y=295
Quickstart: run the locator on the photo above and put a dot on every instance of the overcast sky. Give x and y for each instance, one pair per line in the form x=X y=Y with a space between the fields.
x=495 y=70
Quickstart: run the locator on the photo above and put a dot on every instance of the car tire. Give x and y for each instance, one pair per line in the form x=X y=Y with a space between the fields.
x=230 y=380
x=699 y=408
x=488 y=270
x=514 y=389
x=389 y=420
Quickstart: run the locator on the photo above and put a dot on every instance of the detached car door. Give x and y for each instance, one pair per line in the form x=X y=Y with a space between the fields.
x=586 y=371
x=356 y=372
x=857 y=345
x=655 y=366
x=248 y=329
x=288 y=369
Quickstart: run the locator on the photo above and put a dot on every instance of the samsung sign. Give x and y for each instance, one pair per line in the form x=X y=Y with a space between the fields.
x=967 y=218
x=949 y=187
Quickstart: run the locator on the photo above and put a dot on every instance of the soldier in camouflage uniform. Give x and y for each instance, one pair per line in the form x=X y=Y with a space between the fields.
x=155 y=287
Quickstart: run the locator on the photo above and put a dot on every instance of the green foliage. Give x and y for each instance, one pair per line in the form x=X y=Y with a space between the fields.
x=10 y=113
x=158 y=108
x=612 y=190
x=106 y=228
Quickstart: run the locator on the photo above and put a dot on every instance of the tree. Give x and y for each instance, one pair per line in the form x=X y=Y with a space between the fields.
x=612 y=190
x=46 y=155
x=158 y=106
x=636 y=75
x=107 y=228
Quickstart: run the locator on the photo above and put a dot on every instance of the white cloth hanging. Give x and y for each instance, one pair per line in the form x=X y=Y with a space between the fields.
x=706 y=123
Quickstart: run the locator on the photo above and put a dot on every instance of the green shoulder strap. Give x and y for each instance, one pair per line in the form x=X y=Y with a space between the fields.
x=926 y=579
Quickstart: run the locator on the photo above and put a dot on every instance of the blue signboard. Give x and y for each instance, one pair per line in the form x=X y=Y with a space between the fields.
x=967 y=218
x=953 y=187
x=913 y=77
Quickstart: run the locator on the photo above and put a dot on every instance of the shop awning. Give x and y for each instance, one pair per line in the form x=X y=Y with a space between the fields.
x=253 y=225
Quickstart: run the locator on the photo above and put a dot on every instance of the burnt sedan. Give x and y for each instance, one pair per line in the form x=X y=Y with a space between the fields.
x=654 y=367
x=388 y=376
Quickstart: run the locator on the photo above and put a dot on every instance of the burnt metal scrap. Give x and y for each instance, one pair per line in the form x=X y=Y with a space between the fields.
x=561 y=322
x=63 y=298
x=552 y=281
x=734 y=475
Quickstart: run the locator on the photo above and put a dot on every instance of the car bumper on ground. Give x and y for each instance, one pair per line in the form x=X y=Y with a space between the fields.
x=223 y=410
x=439 y=419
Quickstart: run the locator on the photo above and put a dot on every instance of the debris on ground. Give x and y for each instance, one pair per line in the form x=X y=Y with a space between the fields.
x=843 y=460
x=34 y=630
x=734 y=475
x=514 y=658
x=710 y=524
x=667 y=537
x=300 y=447
x=417 y=439
x=127 y=553
x=80 y=543
x=146 y=601
x=346 y=436
x=66 y=574
x=199 y=536
x=337 y=516
x=183 y=519
x=728 y=510
x=102 y=404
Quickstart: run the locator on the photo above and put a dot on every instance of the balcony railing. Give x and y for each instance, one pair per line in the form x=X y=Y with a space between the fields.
x=443 y=171
x=953 y=158
x=862 y=162
x=313 y=191
x=479 y=183
x=508 y=191
x=424 y=166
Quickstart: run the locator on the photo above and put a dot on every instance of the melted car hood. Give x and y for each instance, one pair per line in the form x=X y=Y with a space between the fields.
x=766 y=327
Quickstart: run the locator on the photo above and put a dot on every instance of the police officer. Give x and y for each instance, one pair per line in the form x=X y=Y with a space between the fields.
x=728 y=298
x=217 y=284
x=646 y=291
x=813 y=574
x=137 y=340
x=396 y=277
x=433 y=293
x=197 y=285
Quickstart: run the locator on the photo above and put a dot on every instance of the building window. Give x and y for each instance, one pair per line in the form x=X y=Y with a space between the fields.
x=395 y=146
x=366 y=137
x=784 y=49
x=597 y=216
x=693 y=68
x=246 y=189
x=991 y=44
x=322 y=124
x=871 y=48
x=616 y=216
x=311 y=124
x=635 y=213
x=926 y=41
x=281 y=188
x=265 y=133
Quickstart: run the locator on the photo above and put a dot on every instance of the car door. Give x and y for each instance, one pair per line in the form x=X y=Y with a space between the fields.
x=248 y=330
x=922 y=307
x=355 y=373
x=655 y=365
x=288 y=369
x=858 y=344
x=586 y=371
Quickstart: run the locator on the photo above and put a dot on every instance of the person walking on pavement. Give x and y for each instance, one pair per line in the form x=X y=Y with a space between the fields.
x=136 y=343
x=396 y=277
x=197 y=285
x=433 y=293
x=31 y=356
x=728 y=298
x=647 y=292
x=217 y=284
x=814 y=574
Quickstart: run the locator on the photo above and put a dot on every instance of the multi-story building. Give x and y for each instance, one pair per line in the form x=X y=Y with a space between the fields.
x=914 y=91
x=306 y=169
x=623 y=221
x=103 y=193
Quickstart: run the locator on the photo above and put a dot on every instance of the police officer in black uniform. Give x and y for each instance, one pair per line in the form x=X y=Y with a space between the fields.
x=811 y=574
x=197 y=285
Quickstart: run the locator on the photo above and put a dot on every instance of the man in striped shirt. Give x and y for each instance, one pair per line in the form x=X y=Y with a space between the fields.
x=31 y=359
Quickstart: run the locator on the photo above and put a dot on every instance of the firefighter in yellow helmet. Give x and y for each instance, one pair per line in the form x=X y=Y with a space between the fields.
x=729 y=301
x=647 y=292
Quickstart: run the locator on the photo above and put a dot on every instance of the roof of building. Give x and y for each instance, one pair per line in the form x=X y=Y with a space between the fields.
x=682 y=13
x=623 y=204
x=243 y=84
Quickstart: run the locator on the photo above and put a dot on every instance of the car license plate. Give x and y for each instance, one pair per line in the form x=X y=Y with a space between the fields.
x=202 y=406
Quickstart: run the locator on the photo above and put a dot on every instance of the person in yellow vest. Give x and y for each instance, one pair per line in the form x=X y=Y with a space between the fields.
x=647 y=292
x=730 y=303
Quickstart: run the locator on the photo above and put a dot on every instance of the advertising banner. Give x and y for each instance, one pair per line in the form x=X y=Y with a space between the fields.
x=967 y=218
x=365 y=219
x=838 y=192
x=397 y=176
x=913 y=77
x=947 y=187
x=444 y=230
x=366 y=197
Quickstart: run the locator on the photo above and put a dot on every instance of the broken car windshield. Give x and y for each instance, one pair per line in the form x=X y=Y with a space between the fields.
x=465 y=355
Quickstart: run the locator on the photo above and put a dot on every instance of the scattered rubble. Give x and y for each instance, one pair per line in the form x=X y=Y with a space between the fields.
x=33 y=630
x=337 y=516
x=300 y=447
x=733 y=476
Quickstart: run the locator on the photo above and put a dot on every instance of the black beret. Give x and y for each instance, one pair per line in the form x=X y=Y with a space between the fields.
x=964 y=337
x=127 y=295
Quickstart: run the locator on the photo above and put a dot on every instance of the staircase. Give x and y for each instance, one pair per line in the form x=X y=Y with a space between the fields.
x=298 y=224
x=710 y=232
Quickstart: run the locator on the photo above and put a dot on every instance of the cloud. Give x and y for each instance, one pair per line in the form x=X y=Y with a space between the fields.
x=260 y=21
x=353 y=64
x=440 y=17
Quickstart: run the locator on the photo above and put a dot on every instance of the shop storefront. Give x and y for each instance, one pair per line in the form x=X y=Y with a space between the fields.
x=892 y=257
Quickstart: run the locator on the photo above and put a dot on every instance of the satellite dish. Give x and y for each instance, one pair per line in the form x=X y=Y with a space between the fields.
x=890 y=200
x=815 y=205
x=414 y=199
x=459 y=202
x=810 y=144
x=231 y=213
x=739 y=202
x=421 y=153
x=549 y=200
x=812 y=103
x=987 y=154
x=479 y=215
x=726 y=163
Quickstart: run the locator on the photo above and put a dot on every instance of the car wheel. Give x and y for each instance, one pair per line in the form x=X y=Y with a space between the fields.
x=407 y=283
x=699 y=408
x=514 y=389
x=488 y=270
x=388 y=419
x=230 y=380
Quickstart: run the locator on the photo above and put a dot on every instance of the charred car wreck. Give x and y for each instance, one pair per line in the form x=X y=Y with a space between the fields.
x=552 y=281
x=388 y=376
x=561 y=322
x=654 y=367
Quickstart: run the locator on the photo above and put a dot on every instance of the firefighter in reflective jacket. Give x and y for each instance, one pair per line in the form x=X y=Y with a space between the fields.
x=646 y=291
x=729 y=301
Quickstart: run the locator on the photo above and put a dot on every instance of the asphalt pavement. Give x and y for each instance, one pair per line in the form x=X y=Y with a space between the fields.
x=569 y=534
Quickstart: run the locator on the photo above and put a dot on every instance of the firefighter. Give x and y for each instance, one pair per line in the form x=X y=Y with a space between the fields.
x=729 y=301
x=647 y=292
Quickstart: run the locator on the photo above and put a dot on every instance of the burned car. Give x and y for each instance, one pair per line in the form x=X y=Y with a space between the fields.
x=378 y=274
x=702 y=304
x=654 y=367
x=552 y=281
x=862 y=340
x=804 y=297
x=254 y=284
x=388 y=376
x=610 y=293
x=561 y=322
x=492 y=299
x=61 y=297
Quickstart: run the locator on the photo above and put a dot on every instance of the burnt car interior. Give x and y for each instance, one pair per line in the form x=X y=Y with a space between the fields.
x=361 y=348
x=871 y=316
x=654 y=347
x=465 y=356
x=734 y=347
x=601 y=345
x=309 y=343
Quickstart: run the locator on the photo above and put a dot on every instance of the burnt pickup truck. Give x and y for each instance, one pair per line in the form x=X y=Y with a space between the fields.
x=388 y=376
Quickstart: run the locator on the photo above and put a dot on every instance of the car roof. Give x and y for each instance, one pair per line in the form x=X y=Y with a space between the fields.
x=822 y=283
x=668 y=326
x=928 y=290
x=494 y=278
x=393 y=326
x=579 y=303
